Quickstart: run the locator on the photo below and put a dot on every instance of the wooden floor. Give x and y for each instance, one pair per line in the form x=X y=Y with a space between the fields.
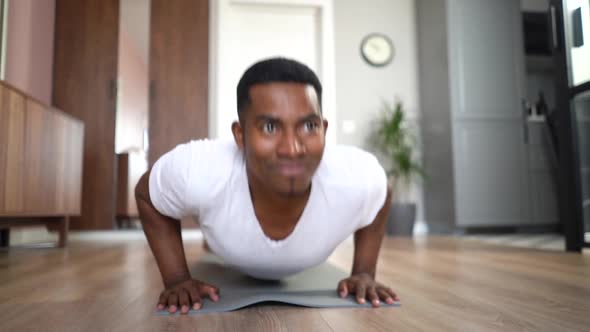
x=445 y=284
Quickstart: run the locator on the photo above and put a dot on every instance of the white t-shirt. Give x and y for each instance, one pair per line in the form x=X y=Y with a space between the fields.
x=207 y=179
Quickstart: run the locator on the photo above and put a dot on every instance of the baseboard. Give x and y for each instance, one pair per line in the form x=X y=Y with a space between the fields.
x=521 y=229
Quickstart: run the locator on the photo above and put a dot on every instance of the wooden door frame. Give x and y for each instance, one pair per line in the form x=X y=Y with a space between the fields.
x=178 y=74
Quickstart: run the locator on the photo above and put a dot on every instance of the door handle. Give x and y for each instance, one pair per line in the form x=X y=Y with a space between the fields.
x=112 y=89
x=152 y=90
x=525 y=124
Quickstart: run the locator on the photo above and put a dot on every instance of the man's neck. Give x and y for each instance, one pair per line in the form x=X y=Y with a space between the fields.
x=277 y=214
x=270 y=201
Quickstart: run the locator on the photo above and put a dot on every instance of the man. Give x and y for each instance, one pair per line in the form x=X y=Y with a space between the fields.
x=274 y=201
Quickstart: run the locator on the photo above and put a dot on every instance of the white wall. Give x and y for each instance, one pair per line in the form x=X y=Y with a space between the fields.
x=134 y=18
x=361 y=88
x=132 y=96
x=132 y=93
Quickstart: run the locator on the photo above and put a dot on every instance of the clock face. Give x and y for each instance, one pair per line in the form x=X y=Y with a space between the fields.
x=377 y=50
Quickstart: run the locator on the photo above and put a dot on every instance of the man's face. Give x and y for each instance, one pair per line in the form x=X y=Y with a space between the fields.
x=282 y=134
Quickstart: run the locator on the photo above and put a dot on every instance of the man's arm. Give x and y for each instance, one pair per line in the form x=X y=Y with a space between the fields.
x=163 y=235
x=165 y=240
x=367 y=242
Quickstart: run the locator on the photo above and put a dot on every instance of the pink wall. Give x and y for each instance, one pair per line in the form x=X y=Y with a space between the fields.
x=132 y=102
x=29 y=47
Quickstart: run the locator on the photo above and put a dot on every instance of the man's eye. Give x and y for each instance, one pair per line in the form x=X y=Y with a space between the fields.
x=269 y=128
x=310 y=126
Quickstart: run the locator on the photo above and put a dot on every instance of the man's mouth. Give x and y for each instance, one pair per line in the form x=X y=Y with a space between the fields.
x=291 y=169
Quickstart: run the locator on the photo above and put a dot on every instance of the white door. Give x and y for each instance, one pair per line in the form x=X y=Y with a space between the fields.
x=487 y=71
x=246 y=31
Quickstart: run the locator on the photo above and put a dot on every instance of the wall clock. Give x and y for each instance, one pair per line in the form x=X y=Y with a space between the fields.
x=377 y=49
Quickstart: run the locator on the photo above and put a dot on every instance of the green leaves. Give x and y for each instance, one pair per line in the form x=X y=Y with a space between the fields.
x=395 y=141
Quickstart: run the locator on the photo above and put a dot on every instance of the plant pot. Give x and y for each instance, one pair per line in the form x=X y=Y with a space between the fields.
x=401 y=219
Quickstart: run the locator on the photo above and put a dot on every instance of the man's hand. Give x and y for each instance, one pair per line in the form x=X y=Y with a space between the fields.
x=367 y=242
x=366 y=288
x=165 y=240
x=186 y=294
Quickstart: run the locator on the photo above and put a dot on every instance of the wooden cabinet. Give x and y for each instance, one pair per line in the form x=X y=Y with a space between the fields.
x=40 y=161
x=473 y=130
x=486 y=69
x=12 y=143
x=542 y=171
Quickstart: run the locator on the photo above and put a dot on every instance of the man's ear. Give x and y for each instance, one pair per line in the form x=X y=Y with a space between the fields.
x=238 y=132
x=325 y=124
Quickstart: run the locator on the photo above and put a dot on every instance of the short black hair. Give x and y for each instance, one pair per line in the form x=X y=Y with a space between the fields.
x=275 y=70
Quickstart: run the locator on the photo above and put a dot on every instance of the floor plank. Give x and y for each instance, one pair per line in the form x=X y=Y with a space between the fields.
x=111 y=282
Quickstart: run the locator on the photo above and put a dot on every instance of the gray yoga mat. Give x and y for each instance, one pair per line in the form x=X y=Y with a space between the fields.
x=315 y=288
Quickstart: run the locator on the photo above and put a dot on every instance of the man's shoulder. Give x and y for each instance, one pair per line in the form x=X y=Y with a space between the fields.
x=218 y=148
x=348 y=165
x=188 y=175
x=210 y=165
x=201 y=152
x=354 y=182
x=201 y=160
x=349 y=157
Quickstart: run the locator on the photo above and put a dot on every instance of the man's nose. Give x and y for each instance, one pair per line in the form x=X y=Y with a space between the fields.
x=291 y=145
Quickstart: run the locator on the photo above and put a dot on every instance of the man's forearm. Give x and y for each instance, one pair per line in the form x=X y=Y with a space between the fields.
x=164 y=237
x=367 y=242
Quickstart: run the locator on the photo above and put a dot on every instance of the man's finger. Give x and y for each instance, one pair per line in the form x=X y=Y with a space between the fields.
x=211 y=291
x=342 y=288
x=392 y=294
x=162 y=301
x=172 y=302
x=183 y=301
x=213 y=295
x=195 y=298
x=360 y=293
x=384 y=296
x=372 y=295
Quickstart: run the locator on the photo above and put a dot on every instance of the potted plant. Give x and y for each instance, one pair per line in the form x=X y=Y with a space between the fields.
x=394 y=141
